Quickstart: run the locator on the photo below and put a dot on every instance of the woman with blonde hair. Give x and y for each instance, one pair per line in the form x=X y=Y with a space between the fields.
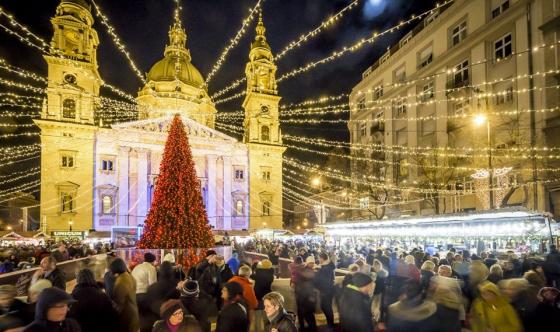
x=413 y=272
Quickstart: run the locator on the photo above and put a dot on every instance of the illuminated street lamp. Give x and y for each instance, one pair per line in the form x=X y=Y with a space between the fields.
x=480 y=120
x=70 y=223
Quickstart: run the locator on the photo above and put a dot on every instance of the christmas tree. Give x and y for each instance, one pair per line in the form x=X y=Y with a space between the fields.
x=177 y=217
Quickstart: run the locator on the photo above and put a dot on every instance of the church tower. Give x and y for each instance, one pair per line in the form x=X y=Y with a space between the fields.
x=67 y=121
x=262 y=135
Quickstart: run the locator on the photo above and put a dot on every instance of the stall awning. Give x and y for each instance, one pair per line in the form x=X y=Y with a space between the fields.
x=99 y=235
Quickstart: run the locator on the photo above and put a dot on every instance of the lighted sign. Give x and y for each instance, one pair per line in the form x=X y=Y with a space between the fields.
x=68 y=234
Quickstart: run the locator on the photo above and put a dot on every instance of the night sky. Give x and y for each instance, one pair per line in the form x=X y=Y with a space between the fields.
x=143 y=25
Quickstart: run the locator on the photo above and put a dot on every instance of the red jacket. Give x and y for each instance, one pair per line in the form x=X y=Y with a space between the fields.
x=248 y=291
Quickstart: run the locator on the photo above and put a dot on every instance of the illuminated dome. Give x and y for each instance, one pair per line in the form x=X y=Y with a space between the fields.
x=175 y=67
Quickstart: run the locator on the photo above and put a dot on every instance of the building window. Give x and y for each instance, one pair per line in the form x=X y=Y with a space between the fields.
x=399 y=106
x=400 y=75
x=107 y=204
x=502 y=47
x=107 y=165
x=461 y=107
x=461 y=73
x=500 y=9
x=378 y=92
x=431 y=18
x=69 y=109
x=67 y=161
x=364 y=202
x=239 y=174
x=265 y=133
x=384 y=57
x=266 y=208
x=362 y=104
x=425 y=57
x=459 y=33
x=363 y=129
x=266 y=175
x=67 y=202
x=427 y=92
x=504 y=97
x=405 y=39
x=239 y=207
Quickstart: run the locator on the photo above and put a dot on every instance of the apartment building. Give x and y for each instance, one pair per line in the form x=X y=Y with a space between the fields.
x=461 y=114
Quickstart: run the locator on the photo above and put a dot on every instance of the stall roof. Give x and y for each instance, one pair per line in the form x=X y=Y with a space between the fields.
x=484 y=216
x=21 y=234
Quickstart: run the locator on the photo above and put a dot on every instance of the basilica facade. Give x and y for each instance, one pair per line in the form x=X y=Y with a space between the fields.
x=99 y=173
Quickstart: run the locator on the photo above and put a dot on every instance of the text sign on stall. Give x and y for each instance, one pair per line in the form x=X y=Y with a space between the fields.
x=68 y=234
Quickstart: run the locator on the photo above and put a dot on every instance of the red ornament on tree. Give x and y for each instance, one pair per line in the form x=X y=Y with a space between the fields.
x=177 y=217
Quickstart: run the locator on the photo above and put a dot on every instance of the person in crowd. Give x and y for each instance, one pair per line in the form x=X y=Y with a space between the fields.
x=535 y=275
x=551 y=268
x=363 y=266
x=196 y=303
x=278 y=319
x=295 y=268
x=51 y=311
x=163 y=289
x=263 y=276
x=234 y=315
x=145 y=274
x=324 y=282
x=33 y=296
x=173 y=319
x=306 y=297
x=12 y=310
x=233 y=263
x=48 y=270
x=355 y=304
x=124 y=296
x=478 y=272
x=203 y=265
x=460 y=266
x=60 y=254
x=492 y=312
x=91 y=304
x=446 y=293
x=426 y=274
x=523 y=297
x=381 y=275
x=496 y=274
x=412 y=272
x=548 y=310
x=214 y=277
x=490 y=260
x=352 y=269
x=248 y=292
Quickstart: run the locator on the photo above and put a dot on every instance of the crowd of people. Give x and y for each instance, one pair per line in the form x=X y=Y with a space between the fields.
x=379 y=289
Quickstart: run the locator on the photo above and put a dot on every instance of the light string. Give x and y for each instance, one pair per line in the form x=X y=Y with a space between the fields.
x=233 y=42
x=117 y=41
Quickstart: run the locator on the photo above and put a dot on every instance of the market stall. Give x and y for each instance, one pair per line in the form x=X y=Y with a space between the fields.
x=515 y=230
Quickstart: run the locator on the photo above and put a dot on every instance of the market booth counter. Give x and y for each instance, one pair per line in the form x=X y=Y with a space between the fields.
x=502 y=230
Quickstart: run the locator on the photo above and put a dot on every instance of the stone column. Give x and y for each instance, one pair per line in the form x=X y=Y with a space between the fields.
x=142 y=206
x=211 y=208
x=123 y=170
x=227 y=204
x=132 y=187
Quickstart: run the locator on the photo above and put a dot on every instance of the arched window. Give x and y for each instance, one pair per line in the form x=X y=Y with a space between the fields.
x=69 y=109
x=107 y=204
x=239 y=207
x=265 y=133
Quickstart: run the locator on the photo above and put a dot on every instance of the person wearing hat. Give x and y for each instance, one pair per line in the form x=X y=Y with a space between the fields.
x=203 y=265
x=234 y=315
x=173 y=319
x=214 y=277
x=355 y=304
x=197 y=303
x=51 y=311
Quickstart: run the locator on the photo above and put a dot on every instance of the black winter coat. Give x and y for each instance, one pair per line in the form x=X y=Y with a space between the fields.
x=233 y=318
x=283 y=322
x=159 y=292
x=324 y=278
x=213 y=279
x=263 y=280
x=57 y=278
x=355 y=311
x=93 y=311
